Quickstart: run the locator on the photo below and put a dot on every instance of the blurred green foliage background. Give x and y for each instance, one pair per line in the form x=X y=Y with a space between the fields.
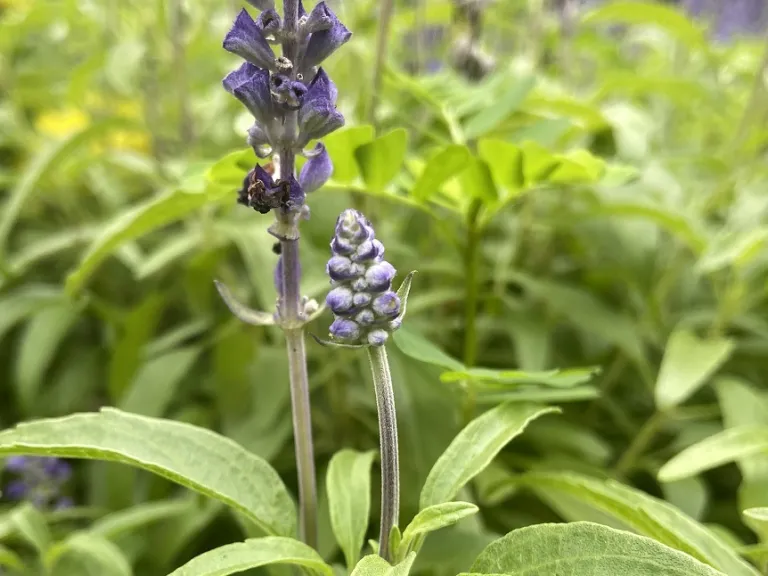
x=595 y=193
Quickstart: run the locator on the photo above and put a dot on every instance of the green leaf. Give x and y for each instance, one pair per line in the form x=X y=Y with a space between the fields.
x=44 y=164
x=16 y=306
x=31 y=525
x=146 y=217
x=9 y=559
x=381 y=160
x=490 y=117
x=758 y=519
x=440 y=168
x=43 y=335
x=475 y=447
x=96 y=555
x=254 y=553
x=641 y=513
x=348 y=483
x=157 y=381
x=421 y=349
x=530 y=394
x=584 y=548
x=341 y=146
x=727 y=446
x=434 y=518
x=138 y=517
x=513 y=378
x=670 y=19
x=505 y=161
x=374 y=565
x=220 y=468
x=139 y=326
x=687 y=364
x=476 y=182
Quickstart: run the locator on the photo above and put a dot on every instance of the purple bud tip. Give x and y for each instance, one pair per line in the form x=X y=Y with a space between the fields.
x=340 y=300
x=344 y=329
x=379 y=276
x=378 y=337
x=387 y=305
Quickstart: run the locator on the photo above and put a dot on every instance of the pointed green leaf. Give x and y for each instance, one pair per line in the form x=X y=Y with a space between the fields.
x=687 y=364
x=31 y=525
x=475 y=447
x=92 y=553
x=727 y=446
x=434 y=518
x=421 y=349
x=254 y=553
x=584 y=548
x=441 y=167
x=514 y=378
x=191 y=456
x=381 y=160
x=348 y=484
x=490 y=117
x=9 y=559
x=139 y=516
x=341 y=146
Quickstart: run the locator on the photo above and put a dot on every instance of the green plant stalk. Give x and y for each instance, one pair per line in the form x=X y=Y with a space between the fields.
x=647 y=433
x=471 y=265
x=390 y=467
x=292 y=318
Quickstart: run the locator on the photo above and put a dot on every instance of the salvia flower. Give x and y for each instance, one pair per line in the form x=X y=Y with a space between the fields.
x=38 y=480
x=364 y=305
x=271 y=87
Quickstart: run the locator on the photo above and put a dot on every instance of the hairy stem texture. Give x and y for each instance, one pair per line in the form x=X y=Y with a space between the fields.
x=390 y=467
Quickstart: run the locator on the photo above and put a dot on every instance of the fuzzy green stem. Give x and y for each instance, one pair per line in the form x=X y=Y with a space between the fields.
x=390 y=467
x=471 y=265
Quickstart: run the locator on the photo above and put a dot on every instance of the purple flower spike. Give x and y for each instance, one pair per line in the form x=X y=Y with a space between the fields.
x=250 y=85
x=16 y=490
x=247 y=40
x=317 y=170
x=325 y=41
x=318 y=115
x=362 y=294
x=17 y=463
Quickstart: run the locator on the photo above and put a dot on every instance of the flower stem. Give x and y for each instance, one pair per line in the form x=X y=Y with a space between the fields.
x=390 y=467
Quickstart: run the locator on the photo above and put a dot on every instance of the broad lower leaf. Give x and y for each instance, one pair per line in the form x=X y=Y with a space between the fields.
x=254 y=553
x=441 y=167
x=584 y=548
x=191 y=456
x=687 y=364
x=642 y=513
x=380 y=161
x=374 y=565
x=348 y=483
x=475 y=447
x=431 y=519
x=727 y=446
x=341 y=146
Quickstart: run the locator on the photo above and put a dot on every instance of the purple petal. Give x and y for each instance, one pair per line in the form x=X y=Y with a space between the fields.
x=325 y=42
x=296 y=195
x=317 y=170
x=247 y=40
x=339 y=300
x=352 y=225
x=387 y=304
x=264 y=177
x=17 y=463
x=318 y=115
x=379 y=276
x=321 y=18
x=250 y=85
x=16 y=490
x=340 y=268
x=345 y=329
x=268 y=22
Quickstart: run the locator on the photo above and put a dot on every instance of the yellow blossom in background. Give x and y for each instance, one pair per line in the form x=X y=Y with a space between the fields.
x=61 y=123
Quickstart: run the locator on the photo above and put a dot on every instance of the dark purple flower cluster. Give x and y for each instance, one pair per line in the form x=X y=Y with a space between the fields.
x=38 y=480
x=272 y=87
x=363 y=303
